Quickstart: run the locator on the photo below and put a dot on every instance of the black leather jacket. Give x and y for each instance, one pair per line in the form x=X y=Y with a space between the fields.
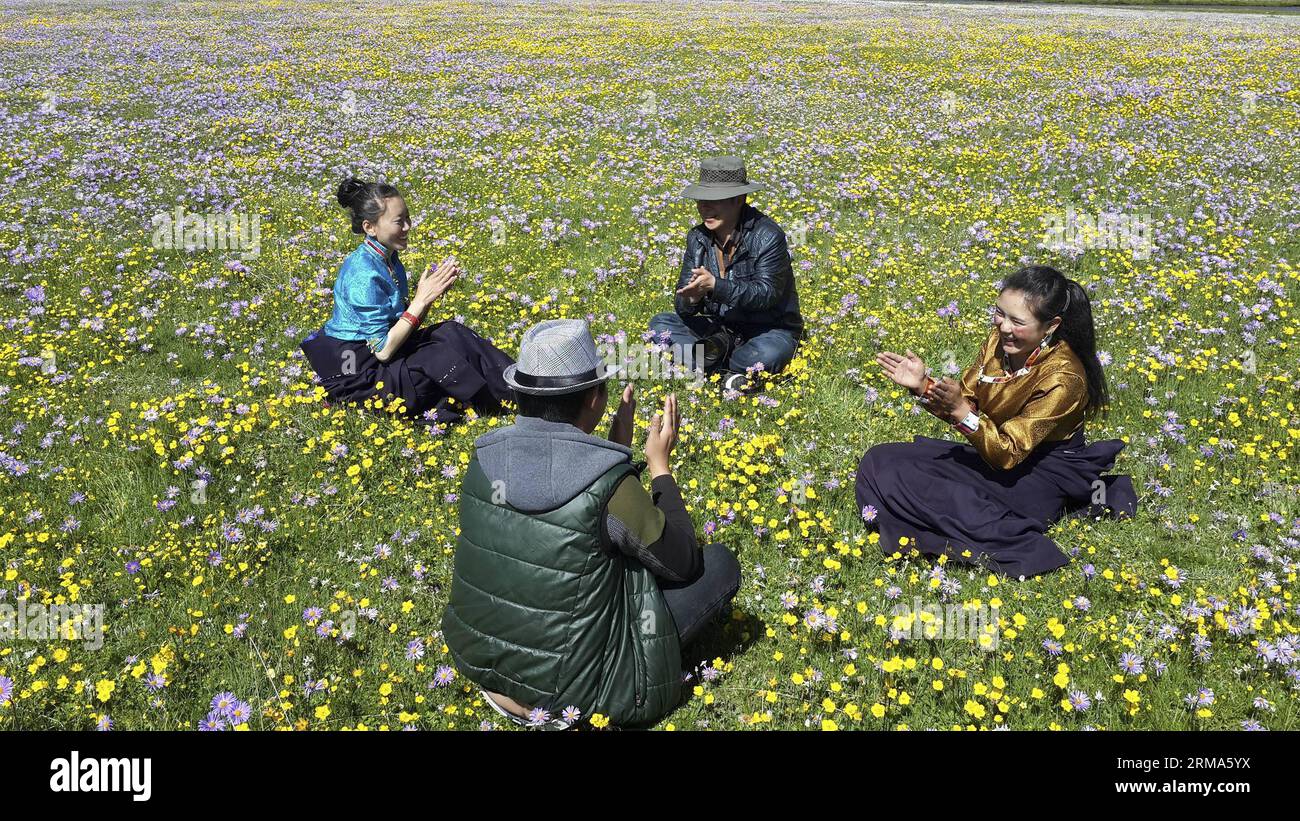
x=758 y=293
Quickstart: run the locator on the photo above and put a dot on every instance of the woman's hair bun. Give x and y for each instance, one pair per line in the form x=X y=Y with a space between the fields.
x=364 y=200
x=349 y=190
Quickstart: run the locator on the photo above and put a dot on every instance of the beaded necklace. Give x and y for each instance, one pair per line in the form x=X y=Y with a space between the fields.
x=1034 y=356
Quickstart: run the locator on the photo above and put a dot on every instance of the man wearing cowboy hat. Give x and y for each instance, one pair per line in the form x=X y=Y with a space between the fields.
x=735 y=294
x=573 y=587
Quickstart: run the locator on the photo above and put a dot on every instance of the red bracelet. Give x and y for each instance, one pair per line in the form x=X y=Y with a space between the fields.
x=411 y=318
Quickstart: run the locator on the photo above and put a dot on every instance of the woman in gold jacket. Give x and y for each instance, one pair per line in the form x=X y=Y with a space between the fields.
x=1022 y=408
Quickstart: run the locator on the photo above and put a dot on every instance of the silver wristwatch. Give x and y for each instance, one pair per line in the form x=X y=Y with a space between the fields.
x=970 y=423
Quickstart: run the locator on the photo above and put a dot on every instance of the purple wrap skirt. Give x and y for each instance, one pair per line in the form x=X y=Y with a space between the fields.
x=439 y=370
x=945 y=499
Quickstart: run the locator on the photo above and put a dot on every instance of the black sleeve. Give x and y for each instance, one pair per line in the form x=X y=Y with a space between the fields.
x=679 y=542
x=689 y=262
x=657 y=531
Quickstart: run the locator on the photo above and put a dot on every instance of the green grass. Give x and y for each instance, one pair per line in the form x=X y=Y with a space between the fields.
x=531 y=111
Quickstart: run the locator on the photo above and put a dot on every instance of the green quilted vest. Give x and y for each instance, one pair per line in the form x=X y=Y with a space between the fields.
x=540 y=613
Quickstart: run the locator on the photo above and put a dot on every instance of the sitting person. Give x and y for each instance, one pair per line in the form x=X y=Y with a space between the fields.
x=1022 y=406
x=572 y=586
x=374 y=335
x=736 y=296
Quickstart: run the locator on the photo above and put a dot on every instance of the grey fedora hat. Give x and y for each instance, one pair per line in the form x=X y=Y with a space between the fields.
x=721 y=178
x=557 y=356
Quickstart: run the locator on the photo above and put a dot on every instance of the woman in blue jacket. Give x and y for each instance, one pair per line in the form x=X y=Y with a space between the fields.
x=374 y=336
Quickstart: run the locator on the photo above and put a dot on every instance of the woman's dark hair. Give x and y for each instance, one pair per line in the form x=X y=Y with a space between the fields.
x=364 y=200
x=564 y=407
x=1050 y=293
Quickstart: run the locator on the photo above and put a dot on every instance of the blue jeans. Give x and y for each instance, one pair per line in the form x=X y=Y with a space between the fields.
x=695 y=603
x=774 y=348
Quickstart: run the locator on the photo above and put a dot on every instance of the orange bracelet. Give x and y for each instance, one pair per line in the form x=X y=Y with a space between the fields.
x=924 y=396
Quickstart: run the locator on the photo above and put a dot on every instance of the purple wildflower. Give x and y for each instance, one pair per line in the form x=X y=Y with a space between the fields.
x=1131 y=664
x=222 y=702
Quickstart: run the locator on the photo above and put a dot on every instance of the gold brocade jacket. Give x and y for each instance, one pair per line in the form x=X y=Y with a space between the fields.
x=1045 y=405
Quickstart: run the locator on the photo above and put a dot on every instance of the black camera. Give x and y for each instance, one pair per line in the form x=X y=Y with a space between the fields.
x=717 y=348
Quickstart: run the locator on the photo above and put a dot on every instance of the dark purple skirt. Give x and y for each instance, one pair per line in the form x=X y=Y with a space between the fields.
x=440 y=368
x=946 y=499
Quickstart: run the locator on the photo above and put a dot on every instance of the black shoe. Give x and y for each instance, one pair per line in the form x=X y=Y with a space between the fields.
x=739 y=382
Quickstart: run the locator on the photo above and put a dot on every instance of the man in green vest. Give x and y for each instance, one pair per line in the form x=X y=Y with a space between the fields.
x=574 y=589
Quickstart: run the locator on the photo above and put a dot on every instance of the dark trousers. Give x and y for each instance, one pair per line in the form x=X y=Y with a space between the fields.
x=437 y=364
x=945 y=499
x=695 y=603
x=773 y=347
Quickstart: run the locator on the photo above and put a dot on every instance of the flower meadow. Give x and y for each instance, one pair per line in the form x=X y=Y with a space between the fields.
x=266 y=562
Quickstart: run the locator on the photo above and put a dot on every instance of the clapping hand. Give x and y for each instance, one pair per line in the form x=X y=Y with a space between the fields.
x=436 y=281
x=948 y=402
x=620 y=431
x=700 y=285
x=662 y=437
x=908 y=371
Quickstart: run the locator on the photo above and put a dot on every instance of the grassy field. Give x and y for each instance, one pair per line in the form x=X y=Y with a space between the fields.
x=1244 y=4
x=164 y=453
